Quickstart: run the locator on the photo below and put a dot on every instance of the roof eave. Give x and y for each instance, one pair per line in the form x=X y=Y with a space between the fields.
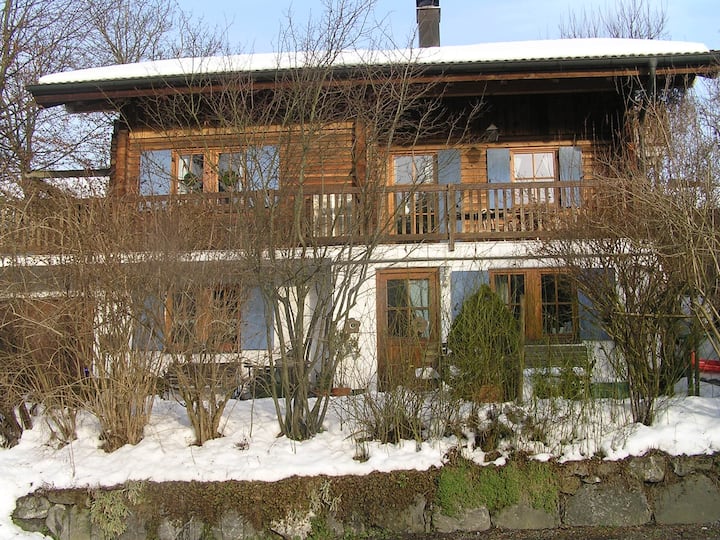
x=49 y=95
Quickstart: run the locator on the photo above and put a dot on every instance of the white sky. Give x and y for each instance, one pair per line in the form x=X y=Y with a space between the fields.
x=254 y=24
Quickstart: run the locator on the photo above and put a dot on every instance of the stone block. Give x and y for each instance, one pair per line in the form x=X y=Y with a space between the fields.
x=233 y=526
x=569 y=484
x=607 y=506
x=409 y=520
x=469 y=520
x=70 y=523
x=650 y=469
x=523 y=516
x=31 y=507
x=695 y=499
x=172 y=530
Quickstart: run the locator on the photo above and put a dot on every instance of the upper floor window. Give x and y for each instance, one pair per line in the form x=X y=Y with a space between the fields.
x=535 y=166
x=415 y=169
x=253 y=168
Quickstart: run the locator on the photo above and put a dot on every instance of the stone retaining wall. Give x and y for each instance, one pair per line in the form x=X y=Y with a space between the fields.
x=655 y=488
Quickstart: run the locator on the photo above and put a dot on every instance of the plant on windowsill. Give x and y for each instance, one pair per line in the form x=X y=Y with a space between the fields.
x=190 y=183
x=484 y=341
x=228 y=181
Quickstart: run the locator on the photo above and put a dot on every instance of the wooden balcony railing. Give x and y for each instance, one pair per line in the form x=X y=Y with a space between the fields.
x=391 y=214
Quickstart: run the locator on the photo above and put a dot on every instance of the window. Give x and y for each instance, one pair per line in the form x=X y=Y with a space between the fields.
x=549 y=298
x=414 y=169
x=205 y=319
x=539 y=166
x=253 y=168
x=528 y=165
x=190 y=173
x=408 y=308
x=417 y=210
x=557 y=304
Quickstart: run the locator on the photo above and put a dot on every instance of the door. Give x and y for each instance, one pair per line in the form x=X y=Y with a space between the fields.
x=408 y=324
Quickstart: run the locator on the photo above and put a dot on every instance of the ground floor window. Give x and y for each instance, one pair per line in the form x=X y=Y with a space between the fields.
x=205 y=319
x=544 y=301
x=212 y=319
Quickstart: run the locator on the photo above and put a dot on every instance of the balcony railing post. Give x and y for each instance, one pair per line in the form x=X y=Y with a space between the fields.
x=450 y=217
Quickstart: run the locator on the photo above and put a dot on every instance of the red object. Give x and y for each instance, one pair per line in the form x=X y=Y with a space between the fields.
x=706 y=365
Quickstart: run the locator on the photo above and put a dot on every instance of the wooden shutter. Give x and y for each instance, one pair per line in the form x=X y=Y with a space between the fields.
x=256 y=323
x=589 y=318
x=463 y=283
x=570 y=161
x=449 y=172
x=498 y=172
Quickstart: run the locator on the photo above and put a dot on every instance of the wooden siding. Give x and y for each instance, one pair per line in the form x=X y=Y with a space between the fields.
x=321 y=158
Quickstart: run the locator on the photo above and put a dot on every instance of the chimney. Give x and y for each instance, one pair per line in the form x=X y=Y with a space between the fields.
x=428 y=20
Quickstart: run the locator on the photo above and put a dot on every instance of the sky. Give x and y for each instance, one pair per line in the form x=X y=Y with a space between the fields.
x=254 y=24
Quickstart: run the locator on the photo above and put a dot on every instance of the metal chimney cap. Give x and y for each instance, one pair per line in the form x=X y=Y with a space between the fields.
x=427 y=3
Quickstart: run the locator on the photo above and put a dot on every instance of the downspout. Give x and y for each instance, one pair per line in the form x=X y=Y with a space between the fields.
x=653 y=78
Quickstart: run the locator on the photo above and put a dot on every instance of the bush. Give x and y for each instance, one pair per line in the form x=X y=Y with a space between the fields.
x=485 y=342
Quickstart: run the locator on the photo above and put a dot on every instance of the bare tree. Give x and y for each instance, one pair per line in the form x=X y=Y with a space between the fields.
x=312 y=149
x=645 y=249
x=636 y=19
x=126 y=31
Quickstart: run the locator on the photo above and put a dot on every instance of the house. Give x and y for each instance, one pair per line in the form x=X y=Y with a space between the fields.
x=509 y=153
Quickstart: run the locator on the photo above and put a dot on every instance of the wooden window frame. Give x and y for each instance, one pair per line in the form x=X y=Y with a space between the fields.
x=533 y=323
x=201 y=330
x=531 y=195
x=211 y=160
x=433 y=153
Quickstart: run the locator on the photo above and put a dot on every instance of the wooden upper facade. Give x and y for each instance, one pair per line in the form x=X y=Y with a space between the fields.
x=525 y=160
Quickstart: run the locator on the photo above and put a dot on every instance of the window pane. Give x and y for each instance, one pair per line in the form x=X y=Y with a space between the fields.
x=155 y=172
x=263 y=168
x=545 y=165
x=403 y=169
x=502 y=287
x=231 y=167
x=419 y=292
x=190 y=173
x=397 y=293
x=416 y=169
x=424 y=169
x=523 y=166
x=511 y=289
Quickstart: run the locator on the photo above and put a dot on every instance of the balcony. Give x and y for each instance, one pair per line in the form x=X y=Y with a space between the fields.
x=284 y=218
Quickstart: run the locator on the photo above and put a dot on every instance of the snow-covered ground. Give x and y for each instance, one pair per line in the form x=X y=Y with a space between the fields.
x=251 y=450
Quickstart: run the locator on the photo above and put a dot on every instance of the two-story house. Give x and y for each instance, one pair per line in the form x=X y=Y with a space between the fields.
x=508 y=155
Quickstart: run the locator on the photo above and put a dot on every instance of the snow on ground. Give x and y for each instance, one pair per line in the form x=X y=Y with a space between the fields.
x=251 y=450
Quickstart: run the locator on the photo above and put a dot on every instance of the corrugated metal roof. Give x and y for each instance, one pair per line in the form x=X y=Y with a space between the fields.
x=484 y=53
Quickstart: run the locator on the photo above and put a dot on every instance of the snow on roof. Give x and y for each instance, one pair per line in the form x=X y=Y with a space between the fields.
x=558 y=49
